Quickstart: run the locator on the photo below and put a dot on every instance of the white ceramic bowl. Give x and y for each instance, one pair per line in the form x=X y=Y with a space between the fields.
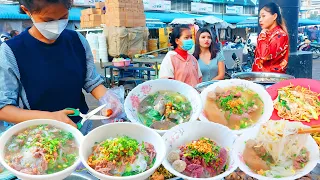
x=21 y=126
x=140 y=92
x=239 y=147
x=136 y=131
x=263 y=94
x=190 y=131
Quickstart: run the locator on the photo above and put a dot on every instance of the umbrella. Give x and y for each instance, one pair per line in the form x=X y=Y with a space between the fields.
x=210 y=19
x=183 y=21
x=249 y=22
x=219 y=23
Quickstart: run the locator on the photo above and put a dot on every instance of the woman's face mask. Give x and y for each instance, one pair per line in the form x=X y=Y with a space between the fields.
x=187 y=44
x=185 y=41
x=52 y=29
x=50 y=20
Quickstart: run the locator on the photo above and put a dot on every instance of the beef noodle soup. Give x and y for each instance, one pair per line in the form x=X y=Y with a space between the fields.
x=164 y=109
x=236 y=107
x=41 y=149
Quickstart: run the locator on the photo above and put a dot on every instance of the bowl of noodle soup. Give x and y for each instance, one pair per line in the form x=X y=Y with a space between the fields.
x=204 y=152
x=121 y=151
x=162 y=104
x=238 y=104
x=275 y=150
x=33 y=154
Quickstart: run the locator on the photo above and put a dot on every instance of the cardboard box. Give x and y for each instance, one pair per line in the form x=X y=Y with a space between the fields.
x=130 y=5
x=116 y=4
x=118 y=15
x=136 y=14
x=85 y=17
x=107 y=21
x=140 y=22
x=117 y=22
x=140 y=6
x=99 y=5
x=82 y=25
x=100 y=11
x=95 y=17
x=130 y=22
x=116 y=10
x=95 y=23
x=116 y=1
x=140 y=11
x=88 y=11
x=103 y=18
x=81 y=19
x=142 y=16
x=130 y=12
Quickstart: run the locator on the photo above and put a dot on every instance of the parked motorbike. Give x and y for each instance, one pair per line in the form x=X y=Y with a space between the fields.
x=237 y=67
x=250 y=49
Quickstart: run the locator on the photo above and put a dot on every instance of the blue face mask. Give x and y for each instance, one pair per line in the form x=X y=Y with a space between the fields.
x=187 y=44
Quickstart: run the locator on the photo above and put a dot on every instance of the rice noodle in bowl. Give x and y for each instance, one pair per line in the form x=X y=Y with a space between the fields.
x=276 y=150
x=143 y=151
x=36 y=155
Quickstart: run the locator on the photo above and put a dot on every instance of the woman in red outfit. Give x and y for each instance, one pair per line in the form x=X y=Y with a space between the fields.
x=272 y=50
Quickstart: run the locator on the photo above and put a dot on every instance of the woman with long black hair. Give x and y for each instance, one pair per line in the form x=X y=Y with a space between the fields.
x=272 y=50
x=210 y=56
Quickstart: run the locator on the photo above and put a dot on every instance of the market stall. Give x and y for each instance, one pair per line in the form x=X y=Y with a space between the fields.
x=217 y=149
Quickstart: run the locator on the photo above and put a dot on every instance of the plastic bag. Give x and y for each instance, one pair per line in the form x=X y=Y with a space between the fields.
x=114 y=98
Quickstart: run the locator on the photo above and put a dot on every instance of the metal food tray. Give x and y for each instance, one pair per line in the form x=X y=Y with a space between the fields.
x=262 y=77
x=200 y=87
x=80 y=176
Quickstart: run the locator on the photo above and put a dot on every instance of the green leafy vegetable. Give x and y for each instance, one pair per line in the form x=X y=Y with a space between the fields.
x=131 y=173
x=283 y=103
x=153 y=114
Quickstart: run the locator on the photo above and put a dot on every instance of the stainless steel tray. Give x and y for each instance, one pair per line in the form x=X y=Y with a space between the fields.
x=200 y=87
x=262 y=77
x=80 y=176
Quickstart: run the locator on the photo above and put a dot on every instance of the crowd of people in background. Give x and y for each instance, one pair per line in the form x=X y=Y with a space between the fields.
x=313 y=34
x=207 y=61
x=8 y=35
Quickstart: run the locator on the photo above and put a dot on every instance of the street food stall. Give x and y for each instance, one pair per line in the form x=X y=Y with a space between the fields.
x=232 y=144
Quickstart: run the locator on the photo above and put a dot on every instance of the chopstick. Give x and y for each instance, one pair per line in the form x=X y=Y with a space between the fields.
x=310 y=130
x=315 y=126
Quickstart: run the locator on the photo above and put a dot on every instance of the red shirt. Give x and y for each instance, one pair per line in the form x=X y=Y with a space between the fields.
x=272 y=52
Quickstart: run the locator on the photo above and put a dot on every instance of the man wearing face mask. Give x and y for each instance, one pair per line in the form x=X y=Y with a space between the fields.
x=47 y=66
x=178 y=64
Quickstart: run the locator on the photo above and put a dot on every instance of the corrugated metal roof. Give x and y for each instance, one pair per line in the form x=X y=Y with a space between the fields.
x=233 y=19
x=12 y=12
x=9 y=11
x=168 y=17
